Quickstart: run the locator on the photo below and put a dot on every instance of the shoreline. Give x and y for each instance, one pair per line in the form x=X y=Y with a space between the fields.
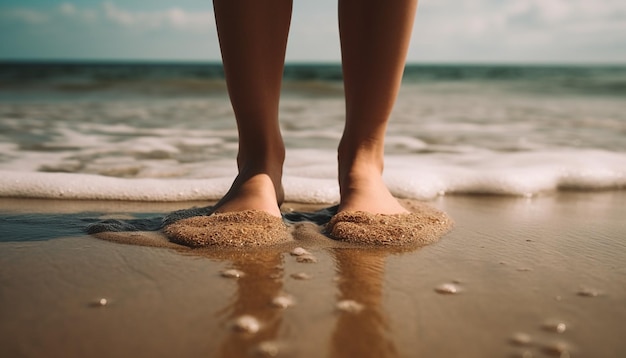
x=17 y=205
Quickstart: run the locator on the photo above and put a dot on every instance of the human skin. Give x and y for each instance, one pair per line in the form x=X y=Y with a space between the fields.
x=374 y=35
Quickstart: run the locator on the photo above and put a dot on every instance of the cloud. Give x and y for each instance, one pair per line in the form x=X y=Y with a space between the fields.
x=175 y=18
x=67 y=9
x=445 y=30
x=112 y=14
x=25 y=16
x=69 y=12
x=520 y=30
x=479 y=17
x=107 y=31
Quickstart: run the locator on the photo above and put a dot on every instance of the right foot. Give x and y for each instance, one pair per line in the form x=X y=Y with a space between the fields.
x=254 y=192
x=249 y=212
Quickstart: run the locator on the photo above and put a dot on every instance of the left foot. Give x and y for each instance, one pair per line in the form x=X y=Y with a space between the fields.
x=368 y=213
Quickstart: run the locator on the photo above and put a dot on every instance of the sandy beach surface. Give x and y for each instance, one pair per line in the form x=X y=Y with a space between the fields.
x=516 y=277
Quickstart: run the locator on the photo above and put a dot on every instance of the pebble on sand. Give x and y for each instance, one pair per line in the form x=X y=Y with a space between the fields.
x=267 y=349
x=447 y=289
x=299 y=251
x=307 y=259
x=588 y=292
x=521 y=339
x=301 y=276
x=247 y=324
x=103 y=302
x=555 y=326
x=232 y=273
x=283 y=301
x=350 y=306
x=557 y=349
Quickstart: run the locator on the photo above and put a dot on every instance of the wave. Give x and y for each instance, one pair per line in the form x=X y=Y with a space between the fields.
x=416 y=177
x=203 y=78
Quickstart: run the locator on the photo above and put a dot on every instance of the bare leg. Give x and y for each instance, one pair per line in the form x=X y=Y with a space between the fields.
x=374 y=41
x=253 y=39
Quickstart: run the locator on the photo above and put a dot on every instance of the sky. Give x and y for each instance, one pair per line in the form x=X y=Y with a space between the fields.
x=445 y=31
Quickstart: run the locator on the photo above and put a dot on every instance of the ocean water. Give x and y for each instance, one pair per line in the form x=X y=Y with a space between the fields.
x=166 y=132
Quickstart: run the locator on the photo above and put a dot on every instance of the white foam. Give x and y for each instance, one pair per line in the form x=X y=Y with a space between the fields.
x=522 y=173
x=95 y=187
x=310 y=177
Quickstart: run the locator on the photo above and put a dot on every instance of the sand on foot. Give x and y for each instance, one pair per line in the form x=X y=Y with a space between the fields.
x=242 y=228
x=424 y=225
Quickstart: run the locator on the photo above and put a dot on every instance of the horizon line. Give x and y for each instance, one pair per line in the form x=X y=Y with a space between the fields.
x=299 y=62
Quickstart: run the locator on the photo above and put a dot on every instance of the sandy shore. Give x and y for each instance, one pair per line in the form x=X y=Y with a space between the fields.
x=516 y=277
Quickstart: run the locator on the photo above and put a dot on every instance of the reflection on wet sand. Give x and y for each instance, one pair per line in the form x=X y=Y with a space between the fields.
x=365 y=333
x=356 y=332
x=260 y=283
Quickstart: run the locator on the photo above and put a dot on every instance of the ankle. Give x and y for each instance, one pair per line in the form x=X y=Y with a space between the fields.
x=269 y=159
x=360 y=163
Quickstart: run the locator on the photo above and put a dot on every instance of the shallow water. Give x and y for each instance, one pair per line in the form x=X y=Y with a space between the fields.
x=167 y=133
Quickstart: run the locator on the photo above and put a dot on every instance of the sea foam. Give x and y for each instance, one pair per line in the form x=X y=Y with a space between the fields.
x=419 y=176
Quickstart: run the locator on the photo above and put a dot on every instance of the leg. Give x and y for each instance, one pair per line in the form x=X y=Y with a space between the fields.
x=253 y=39
x=374 y=41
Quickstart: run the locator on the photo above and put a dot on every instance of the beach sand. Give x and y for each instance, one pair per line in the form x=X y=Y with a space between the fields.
x=525 y=277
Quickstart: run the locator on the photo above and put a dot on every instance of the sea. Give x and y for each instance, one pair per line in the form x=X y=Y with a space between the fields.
x=153 y=131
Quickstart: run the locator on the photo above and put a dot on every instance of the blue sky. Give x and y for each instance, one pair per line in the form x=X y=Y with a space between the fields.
x=451 y=31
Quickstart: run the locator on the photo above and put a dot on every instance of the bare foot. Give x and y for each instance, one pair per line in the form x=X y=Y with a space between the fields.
x=368 y=213
x=248 y=215
x=256 y=187
x=363 y=189
x=257 y=192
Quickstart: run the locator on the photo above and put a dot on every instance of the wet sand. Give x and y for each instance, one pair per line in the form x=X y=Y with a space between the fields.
x=536 y=277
